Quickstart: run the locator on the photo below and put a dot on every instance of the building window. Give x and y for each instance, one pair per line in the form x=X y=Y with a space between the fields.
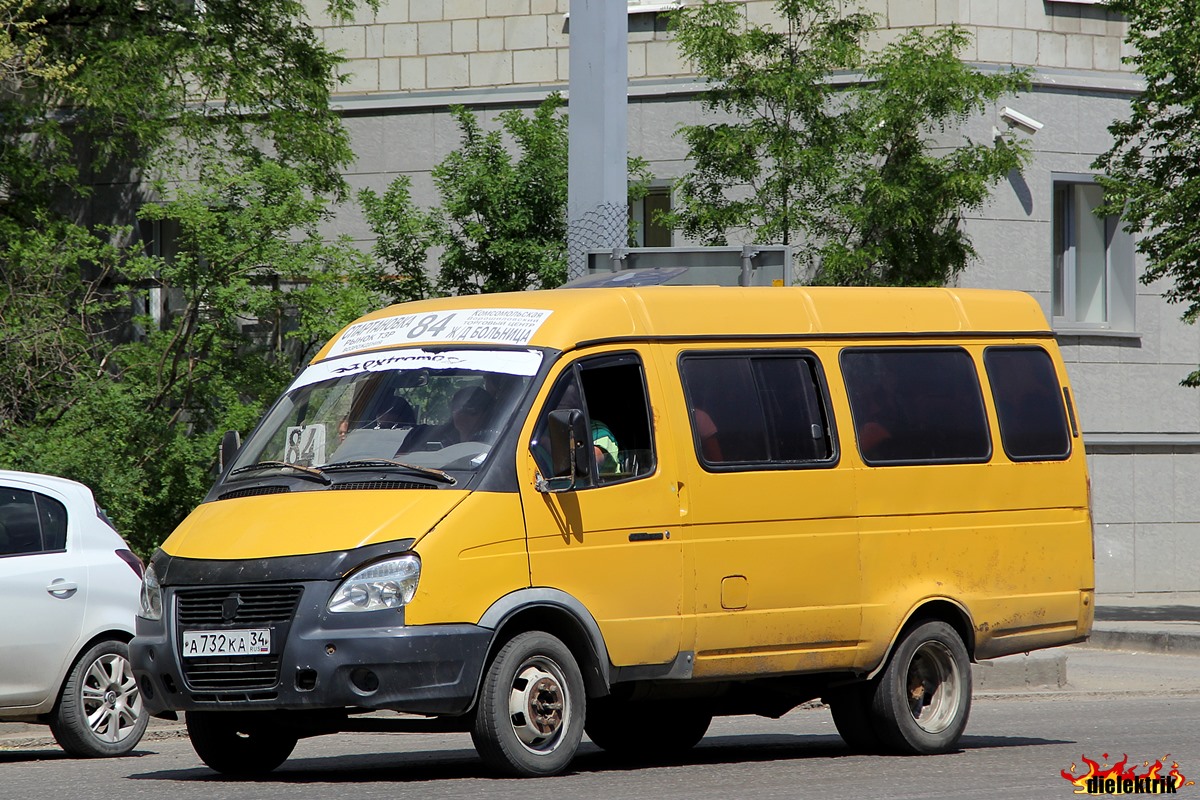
x=1093 y=283
x=152 y=298
x=644 y=228
x=652 y=6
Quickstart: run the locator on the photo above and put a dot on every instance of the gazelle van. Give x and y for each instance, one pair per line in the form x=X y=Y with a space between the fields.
x=626 y=511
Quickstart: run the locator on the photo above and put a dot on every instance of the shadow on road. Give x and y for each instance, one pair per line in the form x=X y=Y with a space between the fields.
x=460 y=764
x=51 y=754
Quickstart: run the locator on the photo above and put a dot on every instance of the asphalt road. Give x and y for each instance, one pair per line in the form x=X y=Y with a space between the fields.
x=1015 y=748
x=1145 y=706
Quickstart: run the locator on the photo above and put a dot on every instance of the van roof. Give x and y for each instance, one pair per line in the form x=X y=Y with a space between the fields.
x=563 y=318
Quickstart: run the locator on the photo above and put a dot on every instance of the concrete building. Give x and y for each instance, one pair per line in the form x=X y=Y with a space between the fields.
x=1126 y=348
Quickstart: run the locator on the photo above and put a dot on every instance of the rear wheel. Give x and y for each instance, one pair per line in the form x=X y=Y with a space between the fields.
x=851 y=709
x=99 y=712
x=924 y=695
x=530 y=715
x=240 y=743
x=645 y=729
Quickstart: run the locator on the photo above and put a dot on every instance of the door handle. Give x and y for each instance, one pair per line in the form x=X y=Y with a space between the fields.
x=62 y=588
x=645 y=536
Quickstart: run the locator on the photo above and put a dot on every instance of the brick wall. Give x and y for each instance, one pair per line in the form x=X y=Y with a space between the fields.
x=417 y=45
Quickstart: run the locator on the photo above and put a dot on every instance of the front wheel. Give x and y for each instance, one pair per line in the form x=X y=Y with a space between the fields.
x=99 y=712
x=240 y=743
x=530 y=715
x=924 y=694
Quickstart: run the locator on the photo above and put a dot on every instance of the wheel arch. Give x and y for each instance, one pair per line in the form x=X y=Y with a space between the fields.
x=941 y=609
x=560 y=615
x=117 y=634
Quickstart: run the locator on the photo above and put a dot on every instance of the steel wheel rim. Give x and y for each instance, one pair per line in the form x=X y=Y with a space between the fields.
x=932 y=687
x=110 y=698
x=539 y=705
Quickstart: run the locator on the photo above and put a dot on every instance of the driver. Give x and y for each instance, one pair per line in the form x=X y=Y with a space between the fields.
x=469 y=410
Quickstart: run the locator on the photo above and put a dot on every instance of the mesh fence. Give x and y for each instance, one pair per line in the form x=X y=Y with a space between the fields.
x=604 y=227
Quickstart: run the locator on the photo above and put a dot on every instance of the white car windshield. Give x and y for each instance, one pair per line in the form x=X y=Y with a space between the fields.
x=437 y=410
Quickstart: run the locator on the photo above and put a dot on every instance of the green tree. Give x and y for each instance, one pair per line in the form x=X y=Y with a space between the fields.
x=217 y=118
x=403 y=236
x=1151 y=168
x=502 y=221
x=833 y=148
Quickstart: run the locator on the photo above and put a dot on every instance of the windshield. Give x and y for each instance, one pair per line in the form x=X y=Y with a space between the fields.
x=432 y=410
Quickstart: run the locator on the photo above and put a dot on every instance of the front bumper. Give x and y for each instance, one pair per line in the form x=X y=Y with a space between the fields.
x=319 y=660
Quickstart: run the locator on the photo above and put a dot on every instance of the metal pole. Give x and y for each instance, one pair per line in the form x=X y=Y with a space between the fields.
x=597 y=174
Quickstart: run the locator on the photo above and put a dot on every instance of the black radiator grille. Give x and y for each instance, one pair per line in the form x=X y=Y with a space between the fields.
x=233 y=607
x=255 y=605
x=221 y=674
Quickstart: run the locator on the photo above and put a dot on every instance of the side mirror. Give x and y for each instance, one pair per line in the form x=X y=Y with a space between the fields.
x=231 y=442
x=567 y=438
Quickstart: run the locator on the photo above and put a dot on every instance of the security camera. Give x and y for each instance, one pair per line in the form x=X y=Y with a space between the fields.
x=1024 y=120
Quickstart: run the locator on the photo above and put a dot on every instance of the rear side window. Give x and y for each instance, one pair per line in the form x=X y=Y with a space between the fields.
x=914 y=405
x=31 y=523
x=756 y=409
x=53 y=516
x=1029 y=403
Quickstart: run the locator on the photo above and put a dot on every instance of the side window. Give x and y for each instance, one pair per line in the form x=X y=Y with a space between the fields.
x=19 y=529
x=53 y=516
x=611 y=392
x=756 y=409
x=916 y=405
x=1029 y=403
x=1093 y=281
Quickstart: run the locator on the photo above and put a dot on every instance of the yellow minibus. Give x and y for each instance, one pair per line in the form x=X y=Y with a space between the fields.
x=623 y=511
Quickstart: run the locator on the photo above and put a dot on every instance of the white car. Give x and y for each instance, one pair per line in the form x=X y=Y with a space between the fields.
x=69 y=589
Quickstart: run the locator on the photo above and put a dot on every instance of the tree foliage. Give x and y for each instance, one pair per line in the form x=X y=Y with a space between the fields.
x=501 y=221
x=214 y=122
x=1153 y=167
x=833 y=148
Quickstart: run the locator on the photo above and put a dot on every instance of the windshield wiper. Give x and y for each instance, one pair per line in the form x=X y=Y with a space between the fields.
x=368 y=463
x=305 y=472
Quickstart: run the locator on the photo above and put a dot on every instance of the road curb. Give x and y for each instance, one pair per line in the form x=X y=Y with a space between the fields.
x=1157 y=641
x=1019 y=672
x=38 y=737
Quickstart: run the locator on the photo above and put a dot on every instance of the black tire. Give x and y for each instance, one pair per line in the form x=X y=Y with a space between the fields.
x=99 y=713
x=241 y=743
x=851 y=709
x=530 y=716
x=923 y=698
x=619 y=726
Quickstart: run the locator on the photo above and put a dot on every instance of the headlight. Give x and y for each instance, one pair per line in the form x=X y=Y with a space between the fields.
x=386 y=584
x=151 y=605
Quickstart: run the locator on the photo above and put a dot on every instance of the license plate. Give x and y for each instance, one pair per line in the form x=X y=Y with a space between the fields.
x=197 y=644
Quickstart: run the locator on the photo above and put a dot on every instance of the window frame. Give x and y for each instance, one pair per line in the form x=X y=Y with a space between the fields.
x=1119 y=279
x=37 y=499
x=817 y=369
x=1060 y=393
x=574 y=370
x=639 y=221
x=985 y=458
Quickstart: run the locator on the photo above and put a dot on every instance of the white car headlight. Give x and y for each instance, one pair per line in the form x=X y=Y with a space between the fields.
x=151 y=604
x=386 y=584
